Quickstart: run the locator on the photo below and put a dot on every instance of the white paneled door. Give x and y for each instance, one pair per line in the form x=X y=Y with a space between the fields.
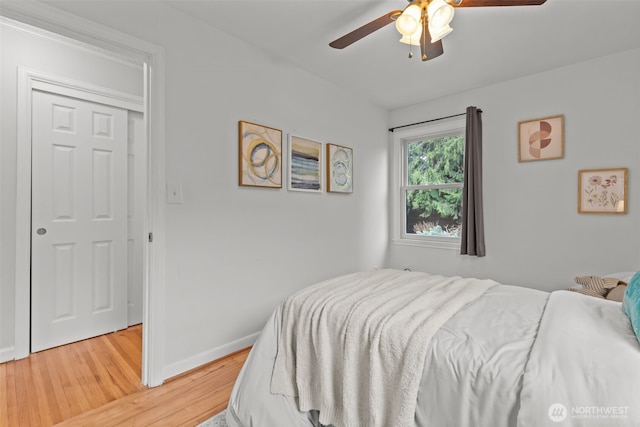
x=79 y=220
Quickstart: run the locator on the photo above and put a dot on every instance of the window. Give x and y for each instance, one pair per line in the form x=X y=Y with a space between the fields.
x=428 y=187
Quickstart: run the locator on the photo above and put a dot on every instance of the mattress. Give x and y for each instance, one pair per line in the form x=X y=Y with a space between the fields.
x=514 y=357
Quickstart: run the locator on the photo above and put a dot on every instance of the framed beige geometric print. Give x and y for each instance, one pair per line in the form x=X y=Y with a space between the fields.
x=541 y=139
x=602 y=191
x=260 y=155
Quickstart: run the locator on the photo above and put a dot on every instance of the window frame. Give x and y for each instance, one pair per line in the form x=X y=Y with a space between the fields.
x=400 y=186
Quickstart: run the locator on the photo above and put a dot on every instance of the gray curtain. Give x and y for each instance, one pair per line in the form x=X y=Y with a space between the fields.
x=472 y=217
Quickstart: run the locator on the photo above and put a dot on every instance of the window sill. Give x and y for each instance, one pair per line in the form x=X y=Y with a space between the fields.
x=434 y=243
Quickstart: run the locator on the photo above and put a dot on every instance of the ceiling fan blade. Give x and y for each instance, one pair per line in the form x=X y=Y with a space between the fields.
x=365 y=30
x=429 y=50
x=489 y=3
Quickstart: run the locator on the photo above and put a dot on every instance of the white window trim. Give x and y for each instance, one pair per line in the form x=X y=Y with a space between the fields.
x=398 y=171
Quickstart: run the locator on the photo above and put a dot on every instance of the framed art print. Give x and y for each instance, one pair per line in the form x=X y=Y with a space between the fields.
x=339 y=169
x=602 y=191
x=305 y=164
x=541 y=139
x=260 y=155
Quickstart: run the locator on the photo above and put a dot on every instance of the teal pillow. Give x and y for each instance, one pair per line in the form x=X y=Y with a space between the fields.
x=631 y=303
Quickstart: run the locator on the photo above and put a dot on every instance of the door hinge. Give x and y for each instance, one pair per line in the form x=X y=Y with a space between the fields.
x=150 y=237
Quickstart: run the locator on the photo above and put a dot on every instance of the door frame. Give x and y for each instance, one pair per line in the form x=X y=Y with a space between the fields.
x=53 y=23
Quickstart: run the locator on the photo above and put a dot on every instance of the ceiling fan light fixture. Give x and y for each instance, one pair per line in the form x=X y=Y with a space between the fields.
x=440 y=13
x=413 y=39
x=409 y=21
x=439 y=33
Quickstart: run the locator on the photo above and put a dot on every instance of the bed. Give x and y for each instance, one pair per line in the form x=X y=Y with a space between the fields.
x=505 y=356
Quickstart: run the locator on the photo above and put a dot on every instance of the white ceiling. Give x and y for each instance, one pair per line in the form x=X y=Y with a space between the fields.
x=487 y=45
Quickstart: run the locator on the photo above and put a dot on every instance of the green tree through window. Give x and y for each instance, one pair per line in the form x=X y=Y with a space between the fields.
x=433 y=189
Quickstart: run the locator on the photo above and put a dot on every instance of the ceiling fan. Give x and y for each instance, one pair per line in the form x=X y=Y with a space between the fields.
x=424 y=23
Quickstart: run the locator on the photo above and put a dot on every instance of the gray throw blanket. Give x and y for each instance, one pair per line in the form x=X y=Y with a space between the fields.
x=354 y=347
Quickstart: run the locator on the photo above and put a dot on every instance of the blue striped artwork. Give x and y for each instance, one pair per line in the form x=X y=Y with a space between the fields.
x=304 y=164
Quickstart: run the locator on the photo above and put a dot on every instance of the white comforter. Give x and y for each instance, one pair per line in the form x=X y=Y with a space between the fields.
x=584 y=369
x=474 y=374
x=351 y=342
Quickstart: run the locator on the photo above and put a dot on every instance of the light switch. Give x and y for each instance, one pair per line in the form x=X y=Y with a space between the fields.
x=174 y=193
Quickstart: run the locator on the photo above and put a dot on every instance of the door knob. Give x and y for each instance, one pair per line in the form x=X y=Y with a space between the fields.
x=41 y=231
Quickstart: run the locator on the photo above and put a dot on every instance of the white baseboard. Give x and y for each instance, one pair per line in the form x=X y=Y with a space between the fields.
x=208 y=356
x=7 y=354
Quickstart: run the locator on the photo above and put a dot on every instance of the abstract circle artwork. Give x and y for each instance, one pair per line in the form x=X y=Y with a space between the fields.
x=339 y=169
x=260 y=157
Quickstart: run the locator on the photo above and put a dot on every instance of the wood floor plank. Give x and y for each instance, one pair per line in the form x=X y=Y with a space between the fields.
x=56 y=378
x=45 y=393
x=29 y=394
x=123 y=344
x=186 y=400
x=99 y=362
x=130 y=380
x=4 y=397
x=97 y=382
x=83 y=389
x=9 y=406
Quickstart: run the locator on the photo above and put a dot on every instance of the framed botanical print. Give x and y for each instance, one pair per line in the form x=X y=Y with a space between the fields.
x=602 y=191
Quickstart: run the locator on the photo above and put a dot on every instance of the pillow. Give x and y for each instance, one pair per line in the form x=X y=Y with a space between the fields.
x=617 y=293
x=625 y=276
x=631 y=303
x=596 y=286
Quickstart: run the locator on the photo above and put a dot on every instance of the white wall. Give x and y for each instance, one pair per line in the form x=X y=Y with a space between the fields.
x=534 y=235
x=233 y=253
x=20 y=46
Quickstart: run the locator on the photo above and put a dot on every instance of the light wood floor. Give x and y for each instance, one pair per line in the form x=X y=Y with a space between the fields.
x=96 y=382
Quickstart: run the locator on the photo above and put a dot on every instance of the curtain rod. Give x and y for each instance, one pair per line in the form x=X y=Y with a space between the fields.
x=428 y=121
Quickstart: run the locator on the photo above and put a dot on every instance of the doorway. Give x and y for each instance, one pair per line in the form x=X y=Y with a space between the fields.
x=36 y=18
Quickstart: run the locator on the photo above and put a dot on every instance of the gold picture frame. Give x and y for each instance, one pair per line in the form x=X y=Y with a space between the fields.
x=260 y=155
x=603 y=191
x=541 y=139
